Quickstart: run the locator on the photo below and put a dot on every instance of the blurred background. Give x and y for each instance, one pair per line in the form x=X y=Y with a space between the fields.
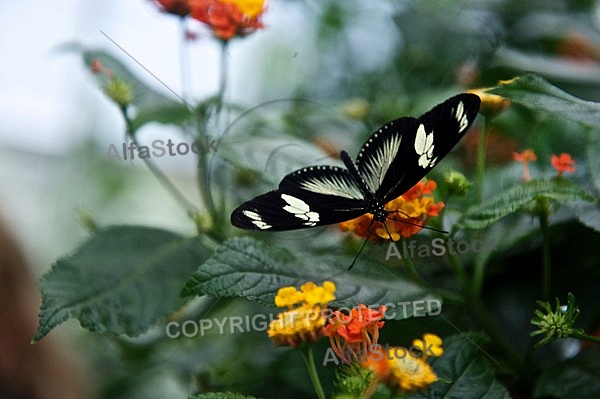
x=368 y=61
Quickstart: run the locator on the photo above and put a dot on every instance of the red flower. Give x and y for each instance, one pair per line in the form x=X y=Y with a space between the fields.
x=563 y=163
x=228 y=18
x=98 y=68
x=177 y=7
x=525 y=157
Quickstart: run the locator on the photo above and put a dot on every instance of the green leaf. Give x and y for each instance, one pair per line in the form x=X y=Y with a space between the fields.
x=593 y=158
x=575 y=378
x=537 y=94
x=221 y=395
x=514 y=198
x=587 y=213
x=246 y=268
x=150 y=105
x=464 y=371
x=122 y=280
x=173 y=113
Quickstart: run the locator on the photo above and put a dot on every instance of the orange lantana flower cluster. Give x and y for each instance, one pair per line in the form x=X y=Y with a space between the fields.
x=177 y=7
x=225 y=18
x=229 y=18
x=408 y=214
x=353 y=336
x=355 y=333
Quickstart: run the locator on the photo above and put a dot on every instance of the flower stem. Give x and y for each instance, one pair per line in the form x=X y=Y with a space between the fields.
x=478 y=275
x=184 y=60
x=222 y=77
x=203 y=158
x=586 y=337
x=307 y=354
x=546 y=266
x=480 y=166
x=160 y=176
x=459 y=270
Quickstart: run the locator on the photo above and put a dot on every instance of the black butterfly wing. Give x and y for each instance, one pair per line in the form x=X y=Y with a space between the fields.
x=308 y=197
x=393 y=160
x=402 y=152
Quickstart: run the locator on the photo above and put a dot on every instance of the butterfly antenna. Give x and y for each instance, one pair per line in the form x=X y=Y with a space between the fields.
x=362 y=246
x=358 y=254
x=415 y=224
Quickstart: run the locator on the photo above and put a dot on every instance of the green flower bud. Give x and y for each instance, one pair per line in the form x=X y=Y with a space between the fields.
x=457 y=183
x=245 y=177
x=203 y=222
x=119 y=91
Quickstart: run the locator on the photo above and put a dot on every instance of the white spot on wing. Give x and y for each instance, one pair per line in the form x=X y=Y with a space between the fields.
x=424 y=147
x=300 y=209
x=256 y=220
x=461 y=117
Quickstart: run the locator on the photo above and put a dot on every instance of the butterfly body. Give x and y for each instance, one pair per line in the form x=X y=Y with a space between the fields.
x=390 y=162
x=371 y=202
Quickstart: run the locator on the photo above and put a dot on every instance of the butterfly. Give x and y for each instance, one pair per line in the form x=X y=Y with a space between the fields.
x=394 y=158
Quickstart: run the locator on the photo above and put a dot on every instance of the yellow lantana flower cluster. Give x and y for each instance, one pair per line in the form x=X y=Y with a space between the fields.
x=407 y=373
x=304 y=320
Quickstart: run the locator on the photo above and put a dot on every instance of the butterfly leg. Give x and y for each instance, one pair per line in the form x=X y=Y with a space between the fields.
x=413 y=224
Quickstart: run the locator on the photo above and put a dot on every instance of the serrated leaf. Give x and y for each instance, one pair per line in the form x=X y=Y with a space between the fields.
x=150 y=104
x=576 y=378
x=469 y=370
x=246 y=268
x=537 y=94
x=122 y=280
x=587 y=213
x=511 y=200
x=593 y=158
x=221 y=395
